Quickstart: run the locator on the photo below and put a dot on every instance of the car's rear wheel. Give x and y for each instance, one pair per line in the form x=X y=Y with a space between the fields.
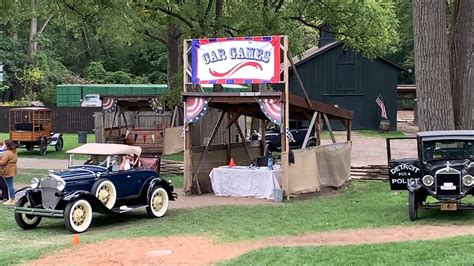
x=43 y=146
x=269 y=148
x=29 y=146
x=78 y=216
x=59 y=145
x=106 y=192
x=412 y=206
x=311 y=143
x=158 y=203
x=26 y=221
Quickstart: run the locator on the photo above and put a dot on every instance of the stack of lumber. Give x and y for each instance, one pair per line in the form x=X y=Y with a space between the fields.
x=169 y=167
x=370 y=172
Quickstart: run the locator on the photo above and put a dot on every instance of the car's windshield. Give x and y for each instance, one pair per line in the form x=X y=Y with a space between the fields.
x=78 y=160
x=91 y=98
x=448 y=150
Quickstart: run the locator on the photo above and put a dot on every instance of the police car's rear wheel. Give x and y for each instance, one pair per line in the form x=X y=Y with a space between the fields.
x=412 y=206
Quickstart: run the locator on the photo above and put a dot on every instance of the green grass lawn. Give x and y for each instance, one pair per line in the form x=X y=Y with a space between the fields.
x=450 y=251
x=360 y=205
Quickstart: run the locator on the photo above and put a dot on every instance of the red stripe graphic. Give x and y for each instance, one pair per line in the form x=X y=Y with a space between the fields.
x=235 y=69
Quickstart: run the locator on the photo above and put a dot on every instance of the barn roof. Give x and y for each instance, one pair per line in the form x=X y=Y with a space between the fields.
x=315 y=51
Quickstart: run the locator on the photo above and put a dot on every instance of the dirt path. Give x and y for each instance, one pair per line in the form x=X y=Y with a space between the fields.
x=199 y=250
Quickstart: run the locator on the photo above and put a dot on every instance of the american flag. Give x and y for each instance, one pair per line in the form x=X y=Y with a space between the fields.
x=379 y=101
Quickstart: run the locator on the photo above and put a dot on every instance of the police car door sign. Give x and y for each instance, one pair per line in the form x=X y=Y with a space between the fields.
x=400 y=174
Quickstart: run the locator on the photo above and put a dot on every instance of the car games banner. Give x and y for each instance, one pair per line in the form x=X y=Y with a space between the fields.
x=236 y=60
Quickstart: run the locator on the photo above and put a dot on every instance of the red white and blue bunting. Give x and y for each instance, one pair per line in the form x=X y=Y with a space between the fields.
x=109 y=104
x=196 y=108
x=272 y=109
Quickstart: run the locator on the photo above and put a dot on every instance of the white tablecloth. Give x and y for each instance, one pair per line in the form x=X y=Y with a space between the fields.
x=243 y=181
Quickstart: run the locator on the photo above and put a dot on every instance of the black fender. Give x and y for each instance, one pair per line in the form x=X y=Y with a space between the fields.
x=32 y=194
x=96 y=204
x=160 y=182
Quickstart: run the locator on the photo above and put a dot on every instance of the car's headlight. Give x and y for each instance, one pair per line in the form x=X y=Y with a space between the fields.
x=61 y=184
x=34 y=183
x=428 y=180
x=468 y=180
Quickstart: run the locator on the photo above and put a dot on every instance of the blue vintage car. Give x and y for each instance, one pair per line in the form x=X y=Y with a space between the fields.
x=99 y=184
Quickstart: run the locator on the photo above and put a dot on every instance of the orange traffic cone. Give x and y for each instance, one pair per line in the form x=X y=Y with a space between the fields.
x=75 y=240
x=232 y=163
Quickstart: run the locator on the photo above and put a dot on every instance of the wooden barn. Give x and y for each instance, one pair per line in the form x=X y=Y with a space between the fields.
x=335 y=74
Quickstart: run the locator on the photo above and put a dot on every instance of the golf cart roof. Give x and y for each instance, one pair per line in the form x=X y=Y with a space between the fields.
x=106 y=149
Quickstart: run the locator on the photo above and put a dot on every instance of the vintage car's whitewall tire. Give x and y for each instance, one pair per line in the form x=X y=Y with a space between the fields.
x=26 y=221
x=412 y=206
x=158 y=203
x=106 y=192
x=78 y=216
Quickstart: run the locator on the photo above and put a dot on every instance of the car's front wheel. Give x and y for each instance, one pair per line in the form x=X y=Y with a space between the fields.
x=105 y=191
x=78 y=216
x=59 y=145
x=158 y=203
x=412 y=206
x=26 y=221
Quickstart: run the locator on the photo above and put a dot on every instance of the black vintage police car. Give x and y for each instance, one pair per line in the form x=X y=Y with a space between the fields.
x=98 y=185
x=443 y=170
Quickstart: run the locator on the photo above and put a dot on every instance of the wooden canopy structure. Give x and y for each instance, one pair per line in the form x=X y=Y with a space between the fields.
x=235 y=105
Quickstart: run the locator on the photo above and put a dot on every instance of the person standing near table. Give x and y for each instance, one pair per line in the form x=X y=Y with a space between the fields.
x=8 y=161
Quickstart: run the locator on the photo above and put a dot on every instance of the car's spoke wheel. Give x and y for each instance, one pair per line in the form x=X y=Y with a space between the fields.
x=158 y=203
x=105 y=191
x=26 y=221
x=78 y=216
x=412 y=206
x=43 y=146
x=59 y=145
x=29 y=146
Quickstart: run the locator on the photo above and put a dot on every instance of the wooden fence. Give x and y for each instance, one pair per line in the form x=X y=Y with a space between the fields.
x=64 y=119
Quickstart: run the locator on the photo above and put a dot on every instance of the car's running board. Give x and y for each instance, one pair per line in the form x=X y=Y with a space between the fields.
x=124 y=208
x=40 y=212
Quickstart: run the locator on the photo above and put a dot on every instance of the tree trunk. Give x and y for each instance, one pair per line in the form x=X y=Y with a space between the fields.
x=32 y=42
x=469 y=75
x=459 y=59
x=432 y=65
x=172 y=39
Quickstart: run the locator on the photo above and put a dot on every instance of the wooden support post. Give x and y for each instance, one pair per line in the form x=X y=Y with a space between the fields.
x=263 y=126
x=329 y=128
x=286 y=146
x=228 y=139
x=349 y=129
x=310 y=128
x=243 y=141
x=188 y=160
x=318 y=129
x=206 y=150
